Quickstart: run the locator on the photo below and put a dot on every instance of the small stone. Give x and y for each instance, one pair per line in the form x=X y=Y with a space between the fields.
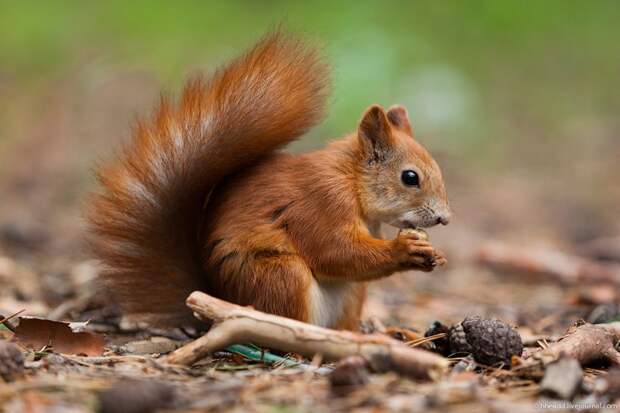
x=350 y=373
x=609 y=384
x=562 y=379
x=154 y=345
x=11 y=361
x=136 y=396
x=603 y=313
x=455 y=390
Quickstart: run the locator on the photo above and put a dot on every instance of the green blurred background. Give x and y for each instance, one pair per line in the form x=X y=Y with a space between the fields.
x=518 y=100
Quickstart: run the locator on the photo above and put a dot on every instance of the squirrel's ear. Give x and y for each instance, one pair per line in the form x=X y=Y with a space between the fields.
x=399 y=118
x=374 y=132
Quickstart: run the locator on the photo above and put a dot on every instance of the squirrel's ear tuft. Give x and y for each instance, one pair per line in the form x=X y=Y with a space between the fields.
x=374 y=132
x=399 y=118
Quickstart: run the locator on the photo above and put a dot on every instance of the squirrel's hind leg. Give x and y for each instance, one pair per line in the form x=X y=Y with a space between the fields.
x=276 y=283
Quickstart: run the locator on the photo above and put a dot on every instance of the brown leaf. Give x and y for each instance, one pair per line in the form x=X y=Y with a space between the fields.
x=36 y=333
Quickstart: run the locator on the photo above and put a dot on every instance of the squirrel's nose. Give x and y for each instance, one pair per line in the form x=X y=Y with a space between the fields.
x=444 y=219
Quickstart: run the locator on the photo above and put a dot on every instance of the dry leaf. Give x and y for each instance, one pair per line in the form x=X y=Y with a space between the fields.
x=36 y=333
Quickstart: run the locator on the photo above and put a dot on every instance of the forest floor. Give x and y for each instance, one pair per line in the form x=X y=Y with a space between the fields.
x=128 y=376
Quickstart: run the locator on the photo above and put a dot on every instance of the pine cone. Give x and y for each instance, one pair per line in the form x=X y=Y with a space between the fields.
x=11 y=361
x=490 y=341
x=351 y=371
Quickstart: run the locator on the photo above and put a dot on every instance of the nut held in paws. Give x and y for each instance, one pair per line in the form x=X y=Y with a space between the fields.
x=418 y=232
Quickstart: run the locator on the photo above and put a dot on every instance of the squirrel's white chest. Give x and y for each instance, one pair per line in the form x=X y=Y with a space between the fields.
x=327 y=302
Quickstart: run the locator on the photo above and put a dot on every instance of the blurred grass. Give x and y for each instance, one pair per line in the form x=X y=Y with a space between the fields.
x=468 y=71
x=517 y=100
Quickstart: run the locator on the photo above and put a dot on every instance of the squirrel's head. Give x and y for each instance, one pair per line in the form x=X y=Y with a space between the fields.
x=399 y=181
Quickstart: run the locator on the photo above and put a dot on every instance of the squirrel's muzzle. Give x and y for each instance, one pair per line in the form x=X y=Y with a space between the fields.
x=444 y=219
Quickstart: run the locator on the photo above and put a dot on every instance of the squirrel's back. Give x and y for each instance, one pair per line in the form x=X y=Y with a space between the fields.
x=144 y=223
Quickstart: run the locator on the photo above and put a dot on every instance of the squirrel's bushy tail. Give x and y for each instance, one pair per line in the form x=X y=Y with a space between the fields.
x=144 y=223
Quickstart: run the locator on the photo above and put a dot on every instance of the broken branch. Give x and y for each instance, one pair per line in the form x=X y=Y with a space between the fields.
x=586 y=343
x=565 y=268
x=233 y=324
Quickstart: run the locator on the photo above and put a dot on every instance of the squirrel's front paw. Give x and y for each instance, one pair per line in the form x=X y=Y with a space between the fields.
x=417 y=254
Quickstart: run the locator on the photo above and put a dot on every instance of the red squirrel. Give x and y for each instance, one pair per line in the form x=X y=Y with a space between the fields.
x=202 y=198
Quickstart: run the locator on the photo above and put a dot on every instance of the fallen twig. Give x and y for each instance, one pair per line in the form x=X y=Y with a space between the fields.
x=607 y=249
x=98 y=360
x=565 y=268
x=587 y=343
x=233 y=324
x=6 y=321
x=424 y=340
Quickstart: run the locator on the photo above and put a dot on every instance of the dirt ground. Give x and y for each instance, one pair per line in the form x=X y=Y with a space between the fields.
x=541 y=309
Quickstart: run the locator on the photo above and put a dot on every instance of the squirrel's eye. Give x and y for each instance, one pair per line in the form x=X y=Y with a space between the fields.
x=410 y=178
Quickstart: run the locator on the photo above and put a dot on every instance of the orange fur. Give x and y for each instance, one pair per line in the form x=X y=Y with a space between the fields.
x=201 y=199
